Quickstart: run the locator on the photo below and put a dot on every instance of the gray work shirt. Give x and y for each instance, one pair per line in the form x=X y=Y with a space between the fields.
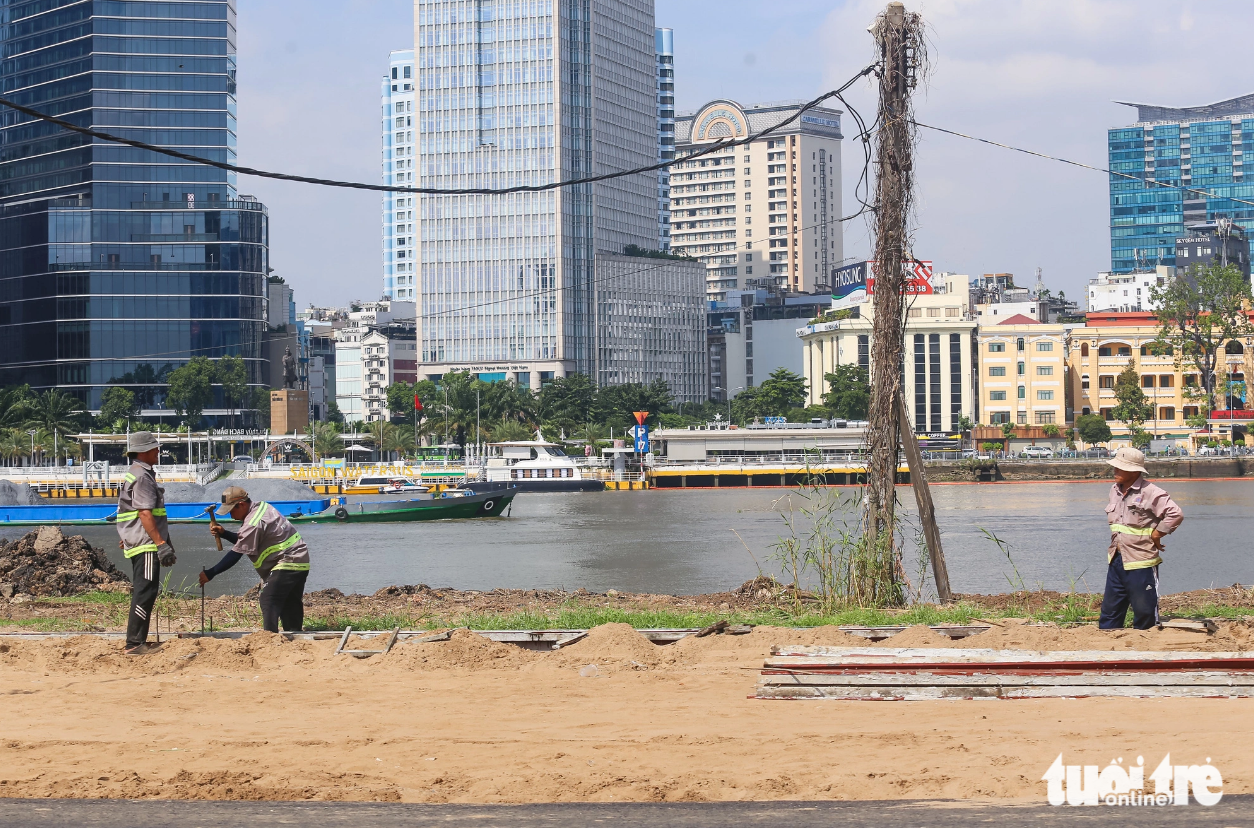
x=140 y=492
x=271 y=542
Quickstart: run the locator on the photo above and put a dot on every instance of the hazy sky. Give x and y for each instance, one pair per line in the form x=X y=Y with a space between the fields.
x=1041 y=75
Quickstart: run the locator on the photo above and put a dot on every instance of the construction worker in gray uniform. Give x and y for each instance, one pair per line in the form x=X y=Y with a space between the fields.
x=144 y=535
x=276 y=551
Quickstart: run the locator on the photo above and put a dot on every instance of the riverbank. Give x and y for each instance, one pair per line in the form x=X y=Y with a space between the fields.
x=760 y=601
x=994 y=471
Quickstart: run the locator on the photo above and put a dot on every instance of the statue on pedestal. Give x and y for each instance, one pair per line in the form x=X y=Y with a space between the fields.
x=289 y=369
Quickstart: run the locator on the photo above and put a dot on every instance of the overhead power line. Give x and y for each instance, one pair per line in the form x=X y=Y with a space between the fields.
x=1084 y=166
x=356 y=185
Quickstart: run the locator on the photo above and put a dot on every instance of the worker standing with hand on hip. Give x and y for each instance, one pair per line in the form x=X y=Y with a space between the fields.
x=276 y=551
x=144 y=535
x=1140 y=516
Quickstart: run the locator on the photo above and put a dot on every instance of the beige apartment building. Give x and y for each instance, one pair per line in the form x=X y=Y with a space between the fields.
x=764 y=213
x=939 y=358
x=1023 y=373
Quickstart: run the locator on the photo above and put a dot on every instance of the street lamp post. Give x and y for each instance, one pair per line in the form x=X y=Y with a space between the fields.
x=32 y=432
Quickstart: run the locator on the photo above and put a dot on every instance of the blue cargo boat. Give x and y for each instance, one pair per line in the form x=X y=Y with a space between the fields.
x=104 y=514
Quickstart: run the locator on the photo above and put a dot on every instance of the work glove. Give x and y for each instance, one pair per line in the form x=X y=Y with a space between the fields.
x=165 y=554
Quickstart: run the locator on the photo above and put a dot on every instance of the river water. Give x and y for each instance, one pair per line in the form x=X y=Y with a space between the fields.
x=682 y=542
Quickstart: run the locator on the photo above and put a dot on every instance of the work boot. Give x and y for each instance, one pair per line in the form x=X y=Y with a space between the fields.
x=141 y=649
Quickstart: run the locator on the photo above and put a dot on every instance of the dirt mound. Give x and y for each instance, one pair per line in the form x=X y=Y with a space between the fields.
x=18 y=494
x=609 y=644
x=46 y=563
x=918 y=635
x=463 y=649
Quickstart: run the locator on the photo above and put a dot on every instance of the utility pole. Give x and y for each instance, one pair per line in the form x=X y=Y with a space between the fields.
x=899 y=35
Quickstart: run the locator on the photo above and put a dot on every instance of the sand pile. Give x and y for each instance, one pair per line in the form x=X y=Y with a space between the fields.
x=46 y=563
x=463 y=649
x=259 y=489
x=18 y=494
x=609 y=645
x=1014 y=634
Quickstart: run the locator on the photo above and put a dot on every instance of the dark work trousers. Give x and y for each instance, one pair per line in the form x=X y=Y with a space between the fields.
x=1137 y=588
x=145 y=583
x=282 y=600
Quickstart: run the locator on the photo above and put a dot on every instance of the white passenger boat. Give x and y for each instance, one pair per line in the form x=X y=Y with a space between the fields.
x=536 y=466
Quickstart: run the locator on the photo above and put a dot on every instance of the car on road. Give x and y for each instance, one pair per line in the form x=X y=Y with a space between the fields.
x=1038 y=452
x=1211 y=451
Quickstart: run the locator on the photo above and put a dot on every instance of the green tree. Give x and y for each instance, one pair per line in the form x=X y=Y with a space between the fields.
x=261 y=403
x=1007 y=431
x=1199 y=312
x=509 y=431
x=15 y=403
x=401 y=399
x=615 y=405
x=1132 y=407
x=781 y=391
x=117 y=403
x=965 y=424
x=233 y=376
x=1051 y=430
x=849 y=392
x=55 y=411
x=1140 y=438
x=326 y=440
x=568 y=400
x=190 y=389
x=509 y=402
x=1093 y=428
x=334 y=415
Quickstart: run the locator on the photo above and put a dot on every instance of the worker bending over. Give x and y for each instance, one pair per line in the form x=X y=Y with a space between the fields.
x=1140 y=516
x=143 y=534
x=275 y=549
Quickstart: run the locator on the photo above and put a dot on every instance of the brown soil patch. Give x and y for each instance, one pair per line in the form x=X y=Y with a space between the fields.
x=468 y=720
x=918 y=635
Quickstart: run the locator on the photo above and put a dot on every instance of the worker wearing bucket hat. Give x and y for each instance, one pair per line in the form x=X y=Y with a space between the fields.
x=144 y=535
x=277 y=552
x=1140 y=515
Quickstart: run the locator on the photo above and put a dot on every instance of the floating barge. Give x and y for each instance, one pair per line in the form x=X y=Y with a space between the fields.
x=106 y=514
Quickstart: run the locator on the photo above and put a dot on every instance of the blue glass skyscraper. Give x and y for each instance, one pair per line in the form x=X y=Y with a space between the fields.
x=118 y=264
x=1200 y=147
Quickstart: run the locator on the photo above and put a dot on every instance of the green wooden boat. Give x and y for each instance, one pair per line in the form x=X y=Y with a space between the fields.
x=480 y=501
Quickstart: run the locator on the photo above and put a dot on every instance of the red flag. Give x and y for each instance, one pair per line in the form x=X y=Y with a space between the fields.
x=417 y=403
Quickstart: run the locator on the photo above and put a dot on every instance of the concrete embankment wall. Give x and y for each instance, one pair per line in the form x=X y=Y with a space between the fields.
x=1092 y=470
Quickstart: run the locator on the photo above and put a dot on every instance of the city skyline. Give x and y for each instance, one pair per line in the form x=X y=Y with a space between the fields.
x=1071 y=62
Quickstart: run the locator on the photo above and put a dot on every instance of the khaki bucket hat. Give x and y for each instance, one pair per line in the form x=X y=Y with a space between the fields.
x=140 y=441
x=1129 y=459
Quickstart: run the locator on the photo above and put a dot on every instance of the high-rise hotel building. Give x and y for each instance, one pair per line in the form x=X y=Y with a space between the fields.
x=665 y=131
x=119 y=264
x=763 y=214
x=399 y=160
x=531 y=286
x=1198 y=147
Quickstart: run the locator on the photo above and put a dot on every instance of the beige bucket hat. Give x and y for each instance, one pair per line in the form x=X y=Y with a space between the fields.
x=1129 y=459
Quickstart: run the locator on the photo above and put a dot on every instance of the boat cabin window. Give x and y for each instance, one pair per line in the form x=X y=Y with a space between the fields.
x=374 y=481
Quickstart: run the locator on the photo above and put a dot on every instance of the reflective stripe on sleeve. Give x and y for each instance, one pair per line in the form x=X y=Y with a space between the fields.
x=141 y=549
x=128 y=477
x=1155 y=561
x=261 y=512
x=288 y=566
x=278 y=547
x=132 y=515
x=1131 y=530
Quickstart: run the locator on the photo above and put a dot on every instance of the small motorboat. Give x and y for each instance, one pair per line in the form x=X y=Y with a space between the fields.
x=474 y=501
x=402 y=485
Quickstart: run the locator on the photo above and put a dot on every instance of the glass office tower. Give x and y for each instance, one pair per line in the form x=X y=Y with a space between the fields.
x=526 y=92
x=1201 y=147
x=118 y=264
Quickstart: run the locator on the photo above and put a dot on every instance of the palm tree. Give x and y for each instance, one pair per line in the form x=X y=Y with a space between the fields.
x=509 y=431
x=326 y=440
x=55 y=411
x=13 y=443
x=14 y=405
x=398 y=439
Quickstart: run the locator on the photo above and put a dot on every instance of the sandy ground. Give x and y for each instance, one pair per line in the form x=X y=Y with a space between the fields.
x=469 y=720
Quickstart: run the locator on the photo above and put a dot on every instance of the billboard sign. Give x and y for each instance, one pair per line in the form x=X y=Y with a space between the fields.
x=849 y=286
x=854 y=283
x=640 y=433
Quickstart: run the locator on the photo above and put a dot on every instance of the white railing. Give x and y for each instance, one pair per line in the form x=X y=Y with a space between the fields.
x=199 y=473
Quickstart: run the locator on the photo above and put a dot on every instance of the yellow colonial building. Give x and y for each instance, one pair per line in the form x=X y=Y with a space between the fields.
x=1023 y=373
x=1103 y=348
